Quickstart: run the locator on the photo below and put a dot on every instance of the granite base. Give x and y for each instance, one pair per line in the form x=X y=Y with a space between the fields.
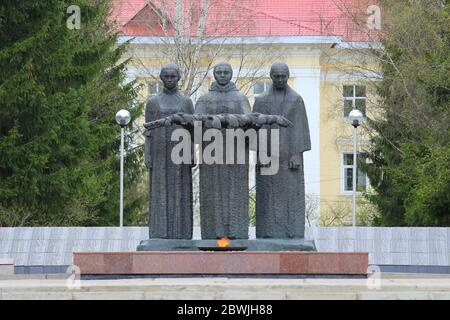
x=221 y=263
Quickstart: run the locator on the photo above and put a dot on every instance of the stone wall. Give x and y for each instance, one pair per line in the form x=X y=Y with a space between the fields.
x=388 y=246
x=53 y=246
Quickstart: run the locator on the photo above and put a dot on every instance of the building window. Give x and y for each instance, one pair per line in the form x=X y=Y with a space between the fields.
x=354 y=97
x=154 y=87
x=260 y=86
x=347 y=167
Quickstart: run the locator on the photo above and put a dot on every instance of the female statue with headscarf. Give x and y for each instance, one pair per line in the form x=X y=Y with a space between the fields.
x=223 y=187
x=171 y=215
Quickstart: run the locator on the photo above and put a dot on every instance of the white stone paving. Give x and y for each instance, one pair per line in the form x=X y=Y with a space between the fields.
x=390 y=286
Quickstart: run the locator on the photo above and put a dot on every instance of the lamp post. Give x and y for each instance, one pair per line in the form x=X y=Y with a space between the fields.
x=356 y=117
x=123 y=117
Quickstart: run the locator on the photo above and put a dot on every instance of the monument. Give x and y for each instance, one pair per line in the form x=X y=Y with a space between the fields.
x=171 y=215
x=280 y=198
x=280 y=247
x=223 y=185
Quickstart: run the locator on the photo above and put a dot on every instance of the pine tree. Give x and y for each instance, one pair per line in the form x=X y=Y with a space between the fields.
x=410 y=169
x=59 y=91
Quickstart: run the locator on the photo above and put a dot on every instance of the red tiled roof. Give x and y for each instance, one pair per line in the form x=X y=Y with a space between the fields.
x=251 y=18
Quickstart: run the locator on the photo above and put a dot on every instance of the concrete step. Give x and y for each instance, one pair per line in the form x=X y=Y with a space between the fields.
x=6 y=266
x=225 y=288
x=146 y=295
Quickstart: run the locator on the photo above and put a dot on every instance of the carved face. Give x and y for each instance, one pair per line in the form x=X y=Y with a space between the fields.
x=170 y=78
x=223 y=74
x=280 y=78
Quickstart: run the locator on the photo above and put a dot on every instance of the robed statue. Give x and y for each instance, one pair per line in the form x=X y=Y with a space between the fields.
x=171 y=214
x=223 y=187
x=280 y=198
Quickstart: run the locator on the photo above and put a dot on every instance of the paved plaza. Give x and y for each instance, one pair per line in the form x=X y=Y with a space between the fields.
x=386 y=286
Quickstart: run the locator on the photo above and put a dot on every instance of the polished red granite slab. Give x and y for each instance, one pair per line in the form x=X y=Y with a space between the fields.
x=193 y=262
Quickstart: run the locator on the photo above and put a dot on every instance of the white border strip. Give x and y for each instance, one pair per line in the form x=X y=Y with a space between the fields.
x=239 y=40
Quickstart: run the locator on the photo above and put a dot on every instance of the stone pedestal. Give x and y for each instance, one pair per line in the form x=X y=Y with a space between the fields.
x=221 y=263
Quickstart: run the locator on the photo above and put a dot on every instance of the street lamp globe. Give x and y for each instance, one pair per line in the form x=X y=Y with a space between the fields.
x=356 y=117
x=123 y=117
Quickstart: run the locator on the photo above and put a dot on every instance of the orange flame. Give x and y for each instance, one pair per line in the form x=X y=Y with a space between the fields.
x=223 y=242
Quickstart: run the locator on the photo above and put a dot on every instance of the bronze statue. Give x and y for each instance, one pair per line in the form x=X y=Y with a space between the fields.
x=171 y=214
x=223 y=187
x=280 y=194
x=280 y=198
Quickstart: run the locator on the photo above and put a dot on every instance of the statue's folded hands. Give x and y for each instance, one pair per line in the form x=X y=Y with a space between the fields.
x=222 y=120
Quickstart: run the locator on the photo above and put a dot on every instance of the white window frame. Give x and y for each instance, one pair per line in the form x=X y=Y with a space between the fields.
x=266 y=86
x=343 y=176
x=158 y=86
x=353 y=99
